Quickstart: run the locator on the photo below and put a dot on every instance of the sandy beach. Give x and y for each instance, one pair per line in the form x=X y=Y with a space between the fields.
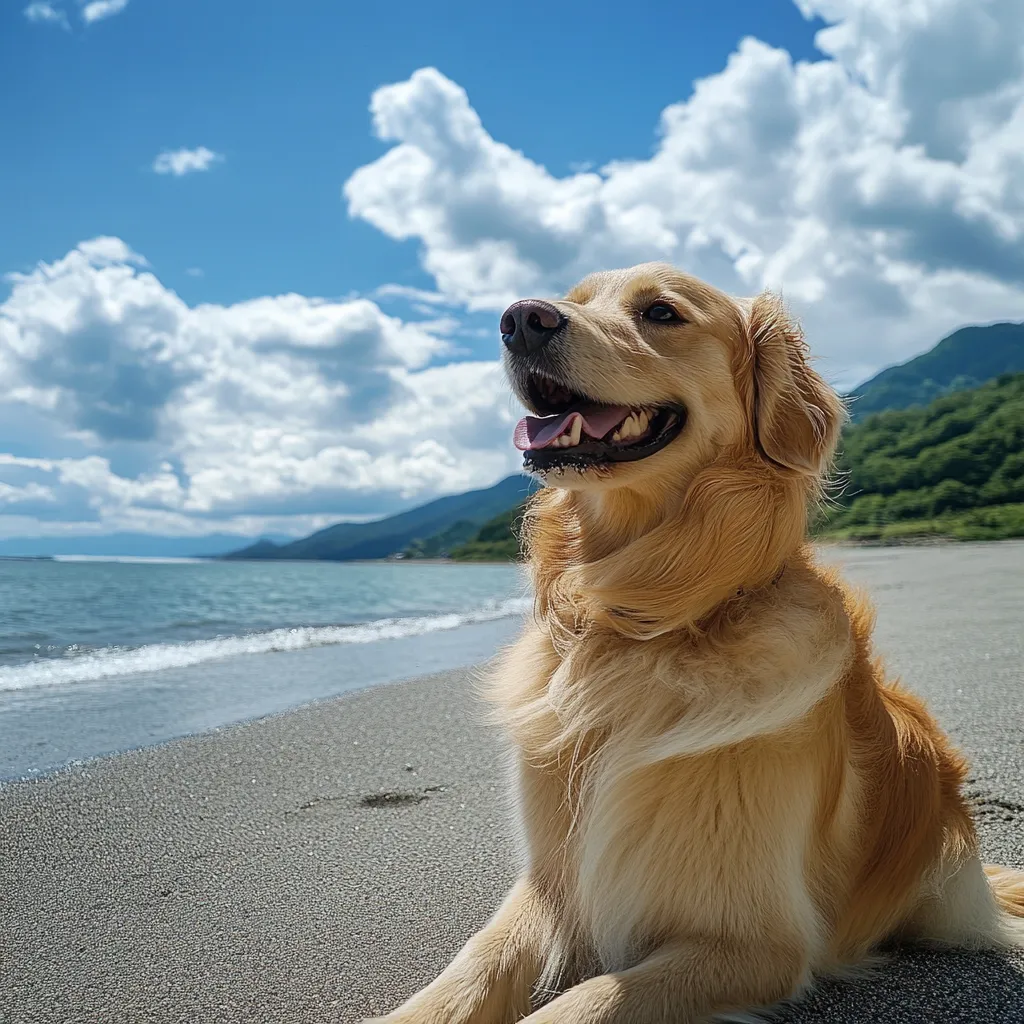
x=320 y=864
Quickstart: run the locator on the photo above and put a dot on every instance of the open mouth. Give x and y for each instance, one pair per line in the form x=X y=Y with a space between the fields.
x=574 y=431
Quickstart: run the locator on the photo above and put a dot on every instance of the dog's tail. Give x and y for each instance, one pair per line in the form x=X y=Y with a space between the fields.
x=1007 y=887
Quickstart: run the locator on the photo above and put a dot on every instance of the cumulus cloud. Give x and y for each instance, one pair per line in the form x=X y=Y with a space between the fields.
x=10 y=495
x=46 y=13
x=185 y=161
x=276 y=410
x=97 y=10
x=882 y=188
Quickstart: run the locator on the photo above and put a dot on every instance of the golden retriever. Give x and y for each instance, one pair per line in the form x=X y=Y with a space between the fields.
x=722 y=795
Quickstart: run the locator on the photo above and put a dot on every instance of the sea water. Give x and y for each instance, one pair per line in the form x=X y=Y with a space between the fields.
x=104 y=655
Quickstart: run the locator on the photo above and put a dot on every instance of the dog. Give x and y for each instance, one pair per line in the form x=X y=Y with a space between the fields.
x=722 y=796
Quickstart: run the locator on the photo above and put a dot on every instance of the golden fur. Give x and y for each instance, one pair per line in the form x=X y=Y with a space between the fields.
x=721 y=794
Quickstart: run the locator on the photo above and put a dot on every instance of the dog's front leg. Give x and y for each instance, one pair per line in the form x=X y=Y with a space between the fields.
x=491 y=978
x=684 y=983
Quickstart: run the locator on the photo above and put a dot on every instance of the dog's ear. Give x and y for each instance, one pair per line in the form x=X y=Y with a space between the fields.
x=797 y=416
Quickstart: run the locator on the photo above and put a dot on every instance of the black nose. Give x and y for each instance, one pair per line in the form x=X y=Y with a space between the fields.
x=528 y=325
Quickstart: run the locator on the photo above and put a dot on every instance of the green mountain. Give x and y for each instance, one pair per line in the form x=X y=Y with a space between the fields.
x=965 y=359
x=495 y=541
x=959 y=497
x=441 y=544
x=954 y=467
x=458 y=515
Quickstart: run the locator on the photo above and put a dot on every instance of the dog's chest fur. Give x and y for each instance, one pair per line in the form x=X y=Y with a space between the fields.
x=634 y=847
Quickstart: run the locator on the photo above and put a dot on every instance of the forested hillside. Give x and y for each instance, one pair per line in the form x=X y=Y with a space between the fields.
x=953 y=468
x=891 y=490
x=966 y=358
x=495 y=541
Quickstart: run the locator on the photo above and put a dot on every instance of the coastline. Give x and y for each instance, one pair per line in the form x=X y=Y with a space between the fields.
x=48 y=727
x=253 y=873
x=316 y=866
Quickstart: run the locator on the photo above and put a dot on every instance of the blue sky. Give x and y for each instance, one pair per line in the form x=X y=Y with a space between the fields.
x=229 y=350
x=283 y=92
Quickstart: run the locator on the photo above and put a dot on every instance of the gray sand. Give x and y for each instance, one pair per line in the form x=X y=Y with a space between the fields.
x=262 y=873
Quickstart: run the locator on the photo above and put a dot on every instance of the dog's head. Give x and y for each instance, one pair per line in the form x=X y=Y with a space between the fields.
x=648 y=375
x=682 y=434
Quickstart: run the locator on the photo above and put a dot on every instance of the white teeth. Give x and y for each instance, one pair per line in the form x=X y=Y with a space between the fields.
x=634 y=425
x=571 y=439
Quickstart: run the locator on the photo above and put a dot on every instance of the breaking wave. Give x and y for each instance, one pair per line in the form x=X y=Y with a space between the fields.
x=109 y=662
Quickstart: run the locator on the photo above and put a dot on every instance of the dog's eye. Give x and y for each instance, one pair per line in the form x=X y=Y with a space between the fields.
x=661 y=313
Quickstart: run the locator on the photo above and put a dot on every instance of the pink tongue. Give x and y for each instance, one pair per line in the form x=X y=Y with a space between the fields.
x=534 y=432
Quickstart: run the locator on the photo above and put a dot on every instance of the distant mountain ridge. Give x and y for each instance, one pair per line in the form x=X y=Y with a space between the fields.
x=478 y=524
x=968 y=359
x=458 y=515
x=964 y=359
x=124 y=544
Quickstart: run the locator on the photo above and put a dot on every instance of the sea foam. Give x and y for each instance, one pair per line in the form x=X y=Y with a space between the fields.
x=110 y=662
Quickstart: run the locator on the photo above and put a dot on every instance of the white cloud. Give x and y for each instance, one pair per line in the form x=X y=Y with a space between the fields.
x=40 y=11
x=882 y=188
x=10 y=495
x=90 y=11
x=194 y=271
x=272 y=412
x=402 y=291
x=185 y=161
x=106 y=251
x=97 y=10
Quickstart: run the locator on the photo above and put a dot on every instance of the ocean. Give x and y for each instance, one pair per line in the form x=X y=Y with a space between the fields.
x=98 y=656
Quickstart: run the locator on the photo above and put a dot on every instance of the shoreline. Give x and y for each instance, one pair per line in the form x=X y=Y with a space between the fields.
x=317 y=865
x=87 y=766
x=913 y=540
x=49 y=726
